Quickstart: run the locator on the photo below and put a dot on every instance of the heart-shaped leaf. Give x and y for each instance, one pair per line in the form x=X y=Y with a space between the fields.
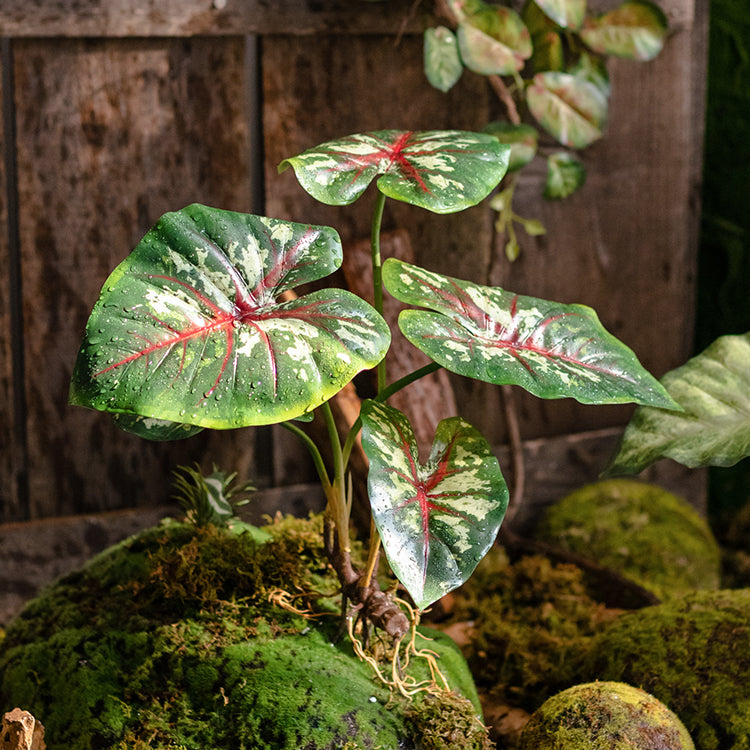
x=636 y=30
x=565 y=174
x=188 y=328
x=566 y=13
x=571 y=109
x=522 y=140
x=494 y=41
x=442 y=63
x=713 y=430
x=441 y=170
x=550 y=349
x=437 y=520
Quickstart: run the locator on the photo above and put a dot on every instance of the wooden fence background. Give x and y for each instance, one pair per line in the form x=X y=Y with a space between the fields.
x=116 y=112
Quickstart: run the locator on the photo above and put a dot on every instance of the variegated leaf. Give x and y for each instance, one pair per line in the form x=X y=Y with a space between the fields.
x=189 y=328
x=713 y=430
x=636 y=30
x=550 y=349
x=494 y=41
x=565 y=174
x=566 y=13
x=440 y=170
x=522 y=140
x=437 y=520
x=571 y=109
x=442 y=63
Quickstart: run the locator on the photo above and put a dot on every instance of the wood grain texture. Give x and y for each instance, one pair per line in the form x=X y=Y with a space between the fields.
x=111 y=134
x=136 y=18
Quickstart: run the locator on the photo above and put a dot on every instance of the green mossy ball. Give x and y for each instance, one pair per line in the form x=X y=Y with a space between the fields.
x=604 y=716
x=169 y=641
x=648 y=534
x=694 y=655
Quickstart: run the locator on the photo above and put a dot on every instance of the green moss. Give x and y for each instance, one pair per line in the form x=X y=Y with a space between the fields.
x=169 y=641
x=604 y=716
x=648 y=534
x=693 y=654
x=447 y=723
x=533 y=621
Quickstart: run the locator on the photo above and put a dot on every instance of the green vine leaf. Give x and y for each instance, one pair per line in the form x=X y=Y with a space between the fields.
x=713 y=430
x=442 y=63
x=636 y=31
x=565 y=174
x=522 y=140
x=571 y=109
x=566 y=13
x=494 y=41
x=189 y=327
x=436 y=520
x=550 y=349
x=441 y=170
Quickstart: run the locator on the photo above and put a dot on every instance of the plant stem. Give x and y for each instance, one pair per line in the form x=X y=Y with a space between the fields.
x=377 y=274
x=337 y=504
x=314 y=452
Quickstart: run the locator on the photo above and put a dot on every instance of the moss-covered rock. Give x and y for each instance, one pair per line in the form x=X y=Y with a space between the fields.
x=170 y=640
x=604 y=716
x=533 y=621
x=648 y=534
x=693 y=654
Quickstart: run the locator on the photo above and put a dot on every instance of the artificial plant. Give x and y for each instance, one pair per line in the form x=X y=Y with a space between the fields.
x=195 y=329
x=548 y=59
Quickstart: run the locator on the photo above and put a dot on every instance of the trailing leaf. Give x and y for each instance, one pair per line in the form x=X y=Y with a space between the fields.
x=546 y=38
x=565 y=174
x=713 y=429
x=522 y=140
x=494 y=41
x=440 y=170
x=550 y=349
x=571 y=109
x=635 y=30
x=188 y=328
x=442 y=63
x=438 y=519
x=566 y=13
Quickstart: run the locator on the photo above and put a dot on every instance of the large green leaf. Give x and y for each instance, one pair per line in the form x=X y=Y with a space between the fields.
x=550 y=349
x=566 y=13
x=636 y=30
x=441 y=170
x=570 y=108
x=442 y=63
x=437 y=520
x=189 y=329
x=713 y=388
x=494 y=41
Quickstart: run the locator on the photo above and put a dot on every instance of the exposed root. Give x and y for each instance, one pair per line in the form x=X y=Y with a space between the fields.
x=284 y=599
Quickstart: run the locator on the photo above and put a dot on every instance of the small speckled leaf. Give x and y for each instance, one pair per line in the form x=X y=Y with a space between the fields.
x=494 y=41
x=713 y=389
x=522 y=140
x=636 y=31
x=436 y=520
x=441 y=170
x=565 y=174
x=566 y=13
x=571 y=109
x=550 y=349
x=188 y=328
x=442 y=63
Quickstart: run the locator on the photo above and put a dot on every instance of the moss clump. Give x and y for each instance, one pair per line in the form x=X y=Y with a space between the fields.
x=169 y=640
x=643 y=531
x=533 y=621
x=604 y=716
x=693 y=654
x=446 y=723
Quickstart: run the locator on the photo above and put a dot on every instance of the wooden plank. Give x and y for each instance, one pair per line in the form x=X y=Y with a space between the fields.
x=136 y=18
x=9 y=506
x=111 y=134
